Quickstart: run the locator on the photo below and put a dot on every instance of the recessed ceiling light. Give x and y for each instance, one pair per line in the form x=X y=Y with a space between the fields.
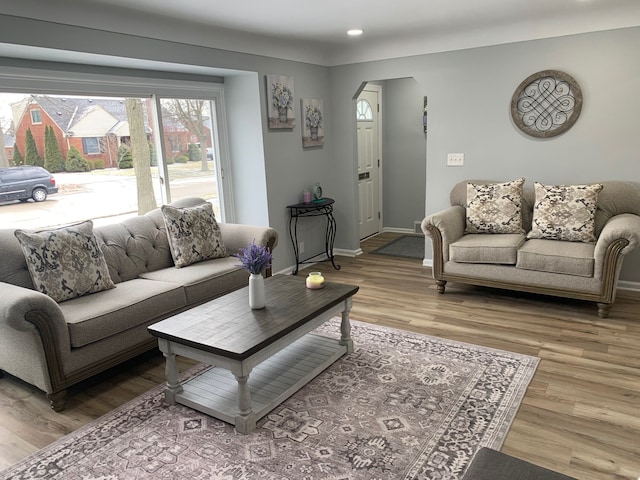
x=355 y=32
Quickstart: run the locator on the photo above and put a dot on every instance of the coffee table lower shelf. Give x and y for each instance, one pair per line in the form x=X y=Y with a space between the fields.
x=215 y=391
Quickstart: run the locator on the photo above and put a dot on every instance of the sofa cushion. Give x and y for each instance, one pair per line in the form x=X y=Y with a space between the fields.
x=204 y=280
x=65 y=262
x=128 y=305
x=193 y=233
x=565 y=212
x=494 y=207
x=483 y=248
x=557 y=256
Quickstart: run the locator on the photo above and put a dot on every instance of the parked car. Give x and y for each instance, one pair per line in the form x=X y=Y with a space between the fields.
x=23 y=183
x=210 y=153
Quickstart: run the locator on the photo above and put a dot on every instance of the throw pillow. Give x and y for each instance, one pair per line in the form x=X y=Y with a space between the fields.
x=194 y=235
x=565 y=212
x=495 y=207
x=66 y=262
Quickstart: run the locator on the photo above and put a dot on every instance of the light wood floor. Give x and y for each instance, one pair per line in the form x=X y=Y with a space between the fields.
x=580 y=416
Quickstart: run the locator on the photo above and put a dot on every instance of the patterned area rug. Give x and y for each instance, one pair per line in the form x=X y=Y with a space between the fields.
x=402 y=406
x=408 y=246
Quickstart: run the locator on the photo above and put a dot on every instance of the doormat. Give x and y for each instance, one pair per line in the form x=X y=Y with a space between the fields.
x=408 y=246
x=401 y=406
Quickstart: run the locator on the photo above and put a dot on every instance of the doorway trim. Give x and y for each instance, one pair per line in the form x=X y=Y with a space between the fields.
x=370 y=86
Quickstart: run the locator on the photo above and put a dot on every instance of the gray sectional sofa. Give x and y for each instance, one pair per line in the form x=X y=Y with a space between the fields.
x=512 y=261
x=54 y=345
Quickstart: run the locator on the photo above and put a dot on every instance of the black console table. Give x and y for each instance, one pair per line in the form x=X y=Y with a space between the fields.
x=316 y=208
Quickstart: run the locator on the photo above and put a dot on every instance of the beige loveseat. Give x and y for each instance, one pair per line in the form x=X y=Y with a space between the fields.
x=54 y=345
x=581 y=270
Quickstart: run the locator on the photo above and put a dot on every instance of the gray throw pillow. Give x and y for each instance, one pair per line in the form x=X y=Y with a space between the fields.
x=495 y=207
x=65 y=262
x=193 y=233
x=565 y=212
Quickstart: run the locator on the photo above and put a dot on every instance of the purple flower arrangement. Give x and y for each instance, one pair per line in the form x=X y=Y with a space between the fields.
x=255 y=258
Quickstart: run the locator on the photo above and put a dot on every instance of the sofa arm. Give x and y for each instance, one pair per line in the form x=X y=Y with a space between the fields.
x=444 y=228
x=22 y=309
x=620 y=235
x=236 y=236
x=19 y=304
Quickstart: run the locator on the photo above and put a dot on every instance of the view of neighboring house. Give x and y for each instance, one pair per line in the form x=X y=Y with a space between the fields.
x=9 y=140
x=95 y=126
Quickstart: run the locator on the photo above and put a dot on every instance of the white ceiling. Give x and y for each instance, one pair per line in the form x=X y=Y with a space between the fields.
x=398 y=27
x=315 y=31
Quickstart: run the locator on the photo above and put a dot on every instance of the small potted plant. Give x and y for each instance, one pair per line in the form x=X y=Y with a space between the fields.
x=255 y=259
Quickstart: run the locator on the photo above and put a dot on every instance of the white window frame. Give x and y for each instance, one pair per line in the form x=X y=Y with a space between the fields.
x=61 y=82
x=33 y=121
x=99 y=146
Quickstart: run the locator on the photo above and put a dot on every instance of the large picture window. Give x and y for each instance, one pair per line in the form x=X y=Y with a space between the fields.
x=106 y=146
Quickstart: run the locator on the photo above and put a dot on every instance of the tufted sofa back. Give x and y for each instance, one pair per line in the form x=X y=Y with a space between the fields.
x=139 y=244
x=134 y=246
x=615 y=198
x=131 y=247
x=13 y=267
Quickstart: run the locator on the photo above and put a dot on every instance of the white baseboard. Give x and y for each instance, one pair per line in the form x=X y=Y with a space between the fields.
x=347 y=253
x=629 y=286
x=427 y=262
x=321 y=258
x=398 y=230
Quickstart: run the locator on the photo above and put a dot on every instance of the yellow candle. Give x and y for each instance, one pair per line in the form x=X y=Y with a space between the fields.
x=315 y=280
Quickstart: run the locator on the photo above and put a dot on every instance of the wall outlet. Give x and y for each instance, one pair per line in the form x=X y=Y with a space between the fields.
x=455 y=159
x=301 y=247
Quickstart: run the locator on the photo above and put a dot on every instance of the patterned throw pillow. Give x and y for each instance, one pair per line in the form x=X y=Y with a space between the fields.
x=194 y=235
x=565 y=212
x=66 y=262
x=495 y=207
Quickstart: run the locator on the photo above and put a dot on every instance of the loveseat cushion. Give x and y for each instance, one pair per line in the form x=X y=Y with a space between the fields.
x=494 y=207
x=458 y=196
x=556 y=256
x=565 y=212
x=128 y=305
x=203 y=280
x=487 y=248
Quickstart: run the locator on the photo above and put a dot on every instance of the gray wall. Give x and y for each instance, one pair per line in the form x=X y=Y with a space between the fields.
x=403 y=153
x=258 y=154
x=469 y=94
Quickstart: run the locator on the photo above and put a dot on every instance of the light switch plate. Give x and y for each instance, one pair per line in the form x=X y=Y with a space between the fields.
x=455 y=159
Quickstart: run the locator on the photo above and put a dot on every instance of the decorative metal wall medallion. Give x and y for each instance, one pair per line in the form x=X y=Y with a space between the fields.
x=546 y=104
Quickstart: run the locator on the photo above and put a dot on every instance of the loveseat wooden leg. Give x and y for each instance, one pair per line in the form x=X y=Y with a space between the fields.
x=440 y=284
x=603 y=309
x=57 y=400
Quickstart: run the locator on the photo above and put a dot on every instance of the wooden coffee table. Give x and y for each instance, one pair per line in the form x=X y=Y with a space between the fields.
x=260 y=357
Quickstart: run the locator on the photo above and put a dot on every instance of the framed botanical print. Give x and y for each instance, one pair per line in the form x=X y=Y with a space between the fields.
x=280 y=109
x=313 y=125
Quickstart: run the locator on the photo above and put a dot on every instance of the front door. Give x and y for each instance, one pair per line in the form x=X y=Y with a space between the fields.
x=367 y=112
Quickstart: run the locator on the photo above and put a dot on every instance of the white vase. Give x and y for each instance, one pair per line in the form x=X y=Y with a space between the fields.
x=256 y=291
